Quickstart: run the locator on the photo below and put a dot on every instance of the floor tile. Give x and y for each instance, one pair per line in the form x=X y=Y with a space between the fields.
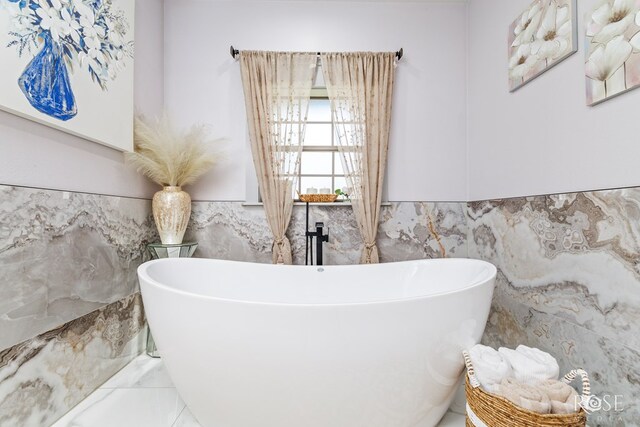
x=452 y=420
x=142 y=395
x=142 y=372
x=141 y=407
x=186 y=419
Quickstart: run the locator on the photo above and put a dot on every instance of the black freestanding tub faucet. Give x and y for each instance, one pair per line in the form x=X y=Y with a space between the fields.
x=320 y=239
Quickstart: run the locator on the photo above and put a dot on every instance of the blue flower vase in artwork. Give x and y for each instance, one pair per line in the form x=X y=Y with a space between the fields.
x=45 y=82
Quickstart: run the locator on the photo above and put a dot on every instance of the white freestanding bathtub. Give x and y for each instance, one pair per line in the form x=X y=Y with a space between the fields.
x=256 y=345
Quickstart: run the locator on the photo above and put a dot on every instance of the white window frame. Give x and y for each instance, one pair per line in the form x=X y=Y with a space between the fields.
x=321 y=94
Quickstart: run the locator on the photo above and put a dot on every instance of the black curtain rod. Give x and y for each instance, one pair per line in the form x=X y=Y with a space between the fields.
x=236 y=52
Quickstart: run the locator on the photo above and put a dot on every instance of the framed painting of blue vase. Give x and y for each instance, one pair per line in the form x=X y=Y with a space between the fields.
x=68 y=64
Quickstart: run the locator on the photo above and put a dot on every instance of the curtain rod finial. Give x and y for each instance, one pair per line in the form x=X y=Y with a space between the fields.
x=399 y=54
x=234 y=52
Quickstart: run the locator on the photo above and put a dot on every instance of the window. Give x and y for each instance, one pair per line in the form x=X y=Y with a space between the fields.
x=320 y=164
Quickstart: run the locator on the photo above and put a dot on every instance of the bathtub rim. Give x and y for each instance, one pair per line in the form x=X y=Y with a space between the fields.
x=142 y=273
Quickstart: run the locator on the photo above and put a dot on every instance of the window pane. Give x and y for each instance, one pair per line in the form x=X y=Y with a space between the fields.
x=318 y=134
x=341 y=183
x=319 y=110
x=287 y=162
x=286 y=112
x=338 y=162
x=319 y=81
x=314 y=163
x=315 y=182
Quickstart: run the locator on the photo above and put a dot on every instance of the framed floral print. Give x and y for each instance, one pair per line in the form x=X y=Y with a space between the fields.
x=69 y=64
x=612 y=63
x=541 y=37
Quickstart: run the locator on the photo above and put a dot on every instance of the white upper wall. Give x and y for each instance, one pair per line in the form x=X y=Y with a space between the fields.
x=428 y=139
x=542 y=138
x=34 y=155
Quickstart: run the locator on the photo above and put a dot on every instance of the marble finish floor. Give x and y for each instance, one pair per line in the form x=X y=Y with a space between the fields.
x=142 y=395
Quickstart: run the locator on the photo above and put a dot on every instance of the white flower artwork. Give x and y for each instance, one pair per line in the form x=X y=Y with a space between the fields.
x=612 y=63
x=68 y=64
x=541 y=37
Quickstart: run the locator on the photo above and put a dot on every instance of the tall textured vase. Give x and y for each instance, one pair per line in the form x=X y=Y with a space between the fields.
x=171 y=210
x=45 y=82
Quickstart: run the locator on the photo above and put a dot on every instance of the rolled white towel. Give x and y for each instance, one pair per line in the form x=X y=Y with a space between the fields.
x=490 y=366
x=525 y=396
x=531 y=365
x=564 y=398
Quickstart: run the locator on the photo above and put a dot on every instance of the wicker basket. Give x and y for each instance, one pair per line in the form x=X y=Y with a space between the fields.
x=318 y=198
x=486 y=409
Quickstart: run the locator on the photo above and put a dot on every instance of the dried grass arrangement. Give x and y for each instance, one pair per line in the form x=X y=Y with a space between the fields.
x=171 y=157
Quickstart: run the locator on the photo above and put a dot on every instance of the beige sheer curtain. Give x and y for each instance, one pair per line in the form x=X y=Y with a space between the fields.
x=277 y=88
x=360 y=87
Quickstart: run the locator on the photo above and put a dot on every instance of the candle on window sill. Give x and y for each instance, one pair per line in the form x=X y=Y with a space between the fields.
x=312 y=190
x=325 y=191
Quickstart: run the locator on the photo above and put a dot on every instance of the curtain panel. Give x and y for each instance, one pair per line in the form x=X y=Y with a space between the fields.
x=360 y=87
x=277 y=88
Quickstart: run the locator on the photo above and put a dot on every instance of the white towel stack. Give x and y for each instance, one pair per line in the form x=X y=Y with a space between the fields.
x=531 y=365
x=526 y=376
x=491 y=367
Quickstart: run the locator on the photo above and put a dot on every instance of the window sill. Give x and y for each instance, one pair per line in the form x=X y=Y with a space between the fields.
x=249 y=204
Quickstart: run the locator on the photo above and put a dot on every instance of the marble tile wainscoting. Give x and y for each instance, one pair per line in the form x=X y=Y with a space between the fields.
x=569 y=280
x=70 y=312
x=64 y=255
x=569 y=283
x=407 y=231
x=44 y=377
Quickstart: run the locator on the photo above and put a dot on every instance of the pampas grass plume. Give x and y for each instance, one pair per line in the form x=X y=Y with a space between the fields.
x=170 y=157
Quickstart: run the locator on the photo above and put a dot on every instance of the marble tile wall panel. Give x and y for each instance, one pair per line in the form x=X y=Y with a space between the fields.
x=569 y=282
x=576 y=256
x=230 y=230
x=43 y=377
x=64 y=255
x=614 y=368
